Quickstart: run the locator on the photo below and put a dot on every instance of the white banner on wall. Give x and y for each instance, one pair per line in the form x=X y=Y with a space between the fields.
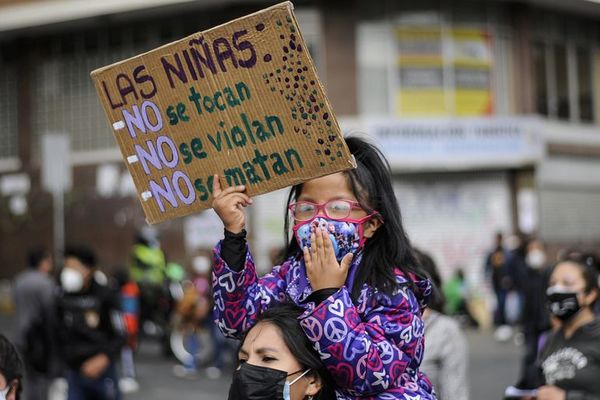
x=462 y=143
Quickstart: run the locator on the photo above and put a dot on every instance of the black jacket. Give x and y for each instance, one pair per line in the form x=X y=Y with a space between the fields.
x=574 y=364
x=89 y=323
x=536 y=315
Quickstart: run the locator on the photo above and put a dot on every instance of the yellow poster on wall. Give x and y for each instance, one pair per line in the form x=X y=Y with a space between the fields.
x=420 y=72
x=472 y=64
x=442 y=74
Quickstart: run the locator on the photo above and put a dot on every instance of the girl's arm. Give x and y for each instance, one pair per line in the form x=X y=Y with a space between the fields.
x=372 y=355
x=236 y=291
x=240 y=297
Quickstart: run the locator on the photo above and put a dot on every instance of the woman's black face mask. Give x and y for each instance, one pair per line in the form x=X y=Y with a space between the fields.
x=563 y=304
x=251 y=382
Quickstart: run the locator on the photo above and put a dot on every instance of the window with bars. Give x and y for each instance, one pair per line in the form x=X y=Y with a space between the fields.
x=63 y=95
x=65 y=100
x=428 y=60
x=563 y=68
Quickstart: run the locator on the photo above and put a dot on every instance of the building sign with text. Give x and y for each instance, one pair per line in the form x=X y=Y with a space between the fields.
x=457 y=143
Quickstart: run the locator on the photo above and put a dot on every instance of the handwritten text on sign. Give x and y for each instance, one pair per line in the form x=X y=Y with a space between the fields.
x=241 y=100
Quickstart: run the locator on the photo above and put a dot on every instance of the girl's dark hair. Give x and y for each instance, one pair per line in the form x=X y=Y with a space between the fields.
x=389 y=247
x=437 y=301
x=589 y=265
x=284 y=316
x=11 y=365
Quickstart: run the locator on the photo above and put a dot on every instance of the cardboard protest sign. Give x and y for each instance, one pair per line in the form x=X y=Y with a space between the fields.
x=241 y=100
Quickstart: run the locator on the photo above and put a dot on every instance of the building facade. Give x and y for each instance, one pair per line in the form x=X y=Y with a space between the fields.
x=488 y=111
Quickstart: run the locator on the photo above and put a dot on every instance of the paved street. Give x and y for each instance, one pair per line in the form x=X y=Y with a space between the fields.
x=493 y=366
x=157 y=380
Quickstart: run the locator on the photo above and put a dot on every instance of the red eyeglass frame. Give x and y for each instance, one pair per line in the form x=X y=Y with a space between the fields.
x=354 y=205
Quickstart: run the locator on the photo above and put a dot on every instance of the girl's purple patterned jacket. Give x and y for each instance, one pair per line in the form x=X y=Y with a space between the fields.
x=372 y=349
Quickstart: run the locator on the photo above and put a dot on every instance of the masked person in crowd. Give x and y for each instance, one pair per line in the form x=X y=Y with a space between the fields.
x=148 y=268
x=536 y=321
x=278 y=362
x=34 y=292
x=516 y=265
x=570 y=359
x=587 y=257
x=90 y=329
x=11 y=371
x=148 y=262
x=495 y=270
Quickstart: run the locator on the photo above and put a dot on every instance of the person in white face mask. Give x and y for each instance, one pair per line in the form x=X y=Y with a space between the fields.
x=11 y=371
x=90 y=329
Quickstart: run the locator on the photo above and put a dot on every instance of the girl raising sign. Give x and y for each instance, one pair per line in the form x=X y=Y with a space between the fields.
x=350 y=266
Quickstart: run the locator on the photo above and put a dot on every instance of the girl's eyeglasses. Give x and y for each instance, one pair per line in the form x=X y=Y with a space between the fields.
x=334 y=209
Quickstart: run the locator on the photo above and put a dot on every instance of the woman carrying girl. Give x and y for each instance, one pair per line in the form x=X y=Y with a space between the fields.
x=352 y=269
x=276 y=360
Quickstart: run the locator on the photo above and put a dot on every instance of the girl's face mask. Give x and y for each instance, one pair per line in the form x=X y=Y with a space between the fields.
x=346 y=234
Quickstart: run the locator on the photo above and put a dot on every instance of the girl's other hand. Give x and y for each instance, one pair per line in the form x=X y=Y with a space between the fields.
x=229 y=205
x=322 y=268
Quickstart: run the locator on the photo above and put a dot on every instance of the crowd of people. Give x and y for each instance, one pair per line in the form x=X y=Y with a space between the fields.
x=352 y=311
x=555 y=309
x=83 y=324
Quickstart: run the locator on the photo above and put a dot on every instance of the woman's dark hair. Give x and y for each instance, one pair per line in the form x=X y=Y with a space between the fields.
x=389 y=247
x=11 y=365
x=284 y=316
x=589 y=265
x=437 y=301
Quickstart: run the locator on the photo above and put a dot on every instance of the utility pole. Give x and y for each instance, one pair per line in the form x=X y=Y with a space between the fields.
x=57 y=179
